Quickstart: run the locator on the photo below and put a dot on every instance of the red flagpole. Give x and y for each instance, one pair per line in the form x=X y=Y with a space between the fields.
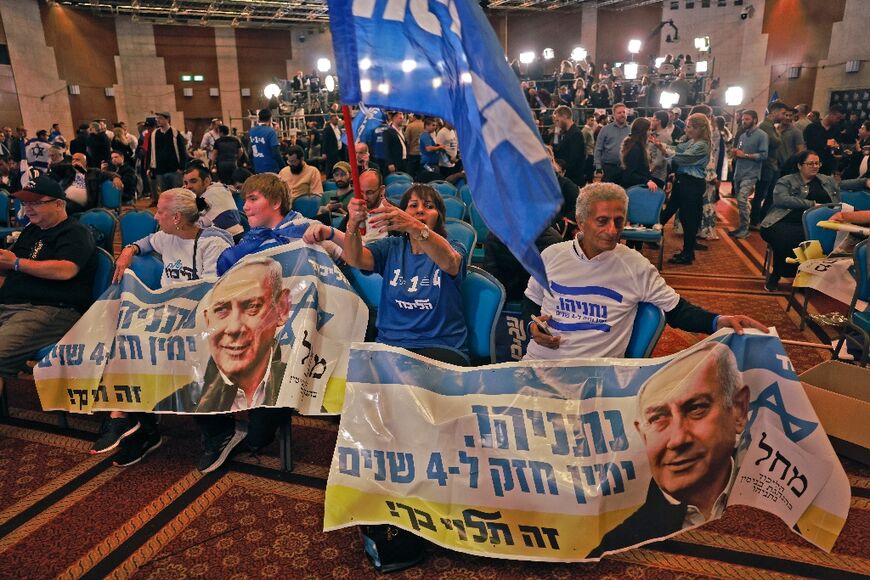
x=351 y=157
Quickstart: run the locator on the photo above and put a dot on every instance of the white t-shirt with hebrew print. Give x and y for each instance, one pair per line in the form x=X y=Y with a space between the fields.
x=594 y=302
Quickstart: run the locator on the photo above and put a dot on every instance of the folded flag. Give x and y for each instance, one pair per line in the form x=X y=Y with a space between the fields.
x=442 y=58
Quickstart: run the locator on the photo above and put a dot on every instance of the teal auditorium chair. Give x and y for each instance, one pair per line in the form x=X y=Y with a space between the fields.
x=5 y=226
x=135 y=225
x=367 y=285
x=482 y=231
x=396 y=190
x=104 y=222
x=462 y=232
x=398 y=176
x=307 y=205
x=330 y=185
x=482 y=300
x=859 y=320
x=649 y=323
x=110 y=196
x=860 y=200
x=465 y=195
x=240 y=201
x=445 y=188
x=644 y=209
x=826 y=237
x=149 y=269
x=454 y=207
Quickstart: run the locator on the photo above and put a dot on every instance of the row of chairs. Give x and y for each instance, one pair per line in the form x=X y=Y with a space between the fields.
x=134 y=225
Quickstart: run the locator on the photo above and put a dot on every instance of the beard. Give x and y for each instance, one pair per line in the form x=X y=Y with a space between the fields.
x=296 y=170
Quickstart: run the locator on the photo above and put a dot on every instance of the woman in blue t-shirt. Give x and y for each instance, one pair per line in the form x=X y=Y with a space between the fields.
x=421 y=304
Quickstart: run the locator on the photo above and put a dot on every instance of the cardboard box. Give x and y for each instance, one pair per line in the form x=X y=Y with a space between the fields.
x=840 y=394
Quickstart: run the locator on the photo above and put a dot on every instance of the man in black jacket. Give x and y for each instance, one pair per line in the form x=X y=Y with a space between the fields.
x=572 y=146
x=690 y=414
x=126 y=173
x=395 y=149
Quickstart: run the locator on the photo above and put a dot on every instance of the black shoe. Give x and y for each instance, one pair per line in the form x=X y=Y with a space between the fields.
x=390 y=549
x=681 y=259
x=772 y=283
x=114 y=430
x=217 y=451
x=701 y=247
x=134 y=449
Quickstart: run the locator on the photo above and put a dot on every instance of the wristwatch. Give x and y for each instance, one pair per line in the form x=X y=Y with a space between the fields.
x=424 y=234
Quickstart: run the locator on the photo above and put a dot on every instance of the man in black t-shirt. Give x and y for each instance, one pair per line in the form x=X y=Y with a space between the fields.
x=49 y=276
x=821 y=137
x=225 y=154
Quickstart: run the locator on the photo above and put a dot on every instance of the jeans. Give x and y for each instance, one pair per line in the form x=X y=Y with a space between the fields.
x=25 y=328
x=687 y=197
x=763 y=195
x=742 y=191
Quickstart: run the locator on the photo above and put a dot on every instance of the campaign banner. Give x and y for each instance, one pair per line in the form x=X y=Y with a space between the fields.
x=830 y=276
x=569 y=460
x=274 y=330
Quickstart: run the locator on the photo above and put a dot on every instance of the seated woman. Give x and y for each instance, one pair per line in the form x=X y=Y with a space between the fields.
x=420 y=308
x=189 y=253
x=793 y=194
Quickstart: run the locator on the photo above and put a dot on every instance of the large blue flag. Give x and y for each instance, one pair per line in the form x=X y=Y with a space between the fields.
x=441 y=57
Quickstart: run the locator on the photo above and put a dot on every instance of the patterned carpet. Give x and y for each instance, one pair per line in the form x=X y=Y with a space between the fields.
x=64 y=513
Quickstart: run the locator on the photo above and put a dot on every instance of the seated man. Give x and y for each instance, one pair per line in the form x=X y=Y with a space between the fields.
x=596 y=284
x=301 y=178
x=334 y=203
x=49 y=275
x=222 y=211
x=690 y=414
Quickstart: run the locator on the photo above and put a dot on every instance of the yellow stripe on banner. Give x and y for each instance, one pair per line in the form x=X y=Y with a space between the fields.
x=513 y=534
x=820 y=527
x=152 y=388
x=333 y=398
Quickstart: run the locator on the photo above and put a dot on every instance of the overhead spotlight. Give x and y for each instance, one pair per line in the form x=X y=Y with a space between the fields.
x=659 y=61
x=702 y=43
x=733 y=96
x=747 y=12
x=323 y=64
x=384 y=88
x=630 y=70
x=549 y=54
x=668 y=99
x=527 y=57
x=701 y=66
x=329 y=83
x=365 y=63
x=634 y=46
x=578 y=54
x=365 y=85
x=271 y=90
x=408 y=65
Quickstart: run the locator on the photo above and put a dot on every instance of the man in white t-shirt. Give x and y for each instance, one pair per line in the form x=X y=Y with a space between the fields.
x=222 y=211
x=596 y=284
x=446 y=137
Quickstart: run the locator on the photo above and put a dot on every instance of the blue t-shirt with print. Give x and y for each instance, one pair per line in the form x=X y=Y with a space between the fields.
x=428 y=157
x=263 y=139
x=421 y=306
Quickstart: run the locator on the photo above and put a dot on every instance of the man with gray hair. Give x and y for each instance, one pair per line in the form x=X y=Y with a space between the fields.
x=246 y=308
x=596 y=284
x=690 y=416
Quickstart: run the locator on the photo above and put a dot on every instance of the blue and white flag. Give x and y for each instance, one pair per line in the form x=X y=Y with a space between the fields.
x=773 y=98
x=441 y=57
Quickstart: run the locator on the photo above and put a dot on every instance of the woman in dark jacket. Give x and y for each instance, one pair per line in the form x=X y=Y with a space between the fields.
x=793 y=194
x=634 y=157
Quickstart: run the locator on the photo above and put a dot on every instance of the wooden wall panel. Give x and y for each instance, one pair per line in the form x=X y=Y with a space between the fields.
x=262 y=55
x=616 y=28
x=535 y=31
x=190 y=50
x=10 y=107
x=798 y=33
x=84 y=48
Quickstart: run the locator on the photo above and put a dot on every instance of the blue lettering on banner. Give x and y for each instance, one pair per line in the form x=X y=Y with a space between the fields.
x=586 y=290
x=178 y=271
x=162 y=319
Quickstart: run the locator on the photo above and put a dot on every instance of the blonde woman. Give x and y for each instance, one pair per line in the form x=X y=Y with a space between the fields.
x=689 y=160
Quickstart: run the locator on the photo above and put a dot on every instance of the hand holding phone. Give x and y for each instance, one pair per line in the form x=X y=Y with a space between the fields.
x=542 y=325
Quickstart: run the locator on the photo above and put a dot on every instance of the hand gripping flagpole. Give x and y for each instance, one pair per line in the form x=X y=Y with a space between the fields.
x=351 y=156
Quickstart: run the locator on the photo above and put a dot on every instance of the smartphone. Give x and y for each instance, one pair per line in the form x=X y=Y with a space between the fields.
x=542 y=325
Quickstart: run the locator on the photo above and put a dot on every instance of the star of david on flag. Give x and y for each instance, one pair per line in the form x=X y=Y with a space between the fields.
x=441 y=58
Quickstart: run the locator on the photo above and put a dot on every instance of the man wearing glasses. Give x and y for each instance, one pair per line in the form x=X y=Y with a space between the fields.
x=49 y=276
x=372 y=186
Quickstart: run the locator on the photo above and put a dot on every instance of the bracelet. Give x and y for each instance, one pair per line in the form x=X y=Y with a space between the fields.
x=331 y=233
x=136 y=249
x=17 y=265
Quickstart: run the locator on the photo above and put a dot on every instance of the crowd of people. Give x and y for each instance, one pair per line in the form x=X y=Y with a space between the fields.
x=784 y=164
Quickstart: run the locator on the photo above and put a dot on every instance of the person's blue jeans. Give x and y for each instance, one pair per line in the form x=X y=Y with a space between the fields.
x=742 y=190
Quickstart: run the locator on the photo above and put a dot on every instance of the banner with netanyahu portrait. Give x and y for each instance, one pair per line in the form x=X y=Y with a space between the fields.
x=274 y=330
x=570 y=460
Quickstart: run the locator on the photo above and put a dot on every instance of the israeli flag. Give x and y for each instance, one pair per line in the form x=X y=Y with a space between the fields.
x=441 y=58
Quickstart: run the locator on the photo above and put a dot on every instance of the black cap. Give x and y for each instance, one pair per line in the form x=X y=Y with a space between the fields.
x=39 y=187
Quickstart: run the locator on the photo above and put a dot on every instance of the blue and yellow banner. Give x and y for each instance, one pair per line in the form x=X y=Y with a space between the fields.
x=568 y=461
x=274 y=330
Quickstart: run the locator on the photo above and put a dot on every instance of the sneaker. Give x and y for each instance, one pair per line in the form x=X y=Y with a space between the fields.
x=739 y=234
x=215 y=453
x=701 y=247
x=772 y=283
x=135 y=449
x=114 y=430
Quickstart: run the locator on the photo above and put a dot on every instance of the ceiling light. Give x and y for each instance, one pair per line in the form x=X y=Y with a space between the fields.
x=733 y=96
x=527 y=57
